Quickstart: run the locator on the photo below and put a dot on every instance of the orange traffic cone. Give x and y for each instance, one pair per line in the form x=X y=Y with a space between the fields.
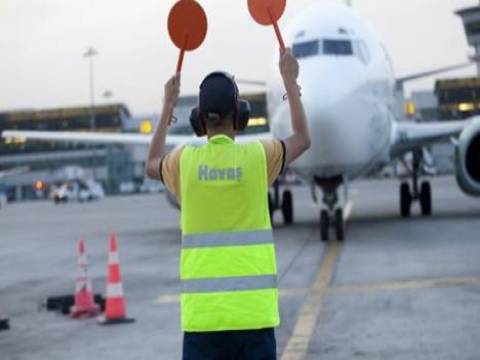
x=115 y=310
x=84 y=301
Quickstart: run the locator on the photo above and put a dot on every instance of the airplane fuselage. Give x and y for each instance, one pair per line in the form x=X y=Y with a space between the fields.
x=347 y=87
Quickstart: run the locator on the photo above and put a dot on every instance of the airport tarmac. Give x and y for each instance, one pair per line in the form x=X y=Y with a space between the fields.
x=395 y=289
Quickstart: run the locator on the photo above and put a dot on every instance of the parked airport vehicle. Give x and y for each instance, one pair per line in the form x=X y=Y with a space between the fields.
x=352 y=102
x=151 y=186
x=78 y=190
x=128 y=187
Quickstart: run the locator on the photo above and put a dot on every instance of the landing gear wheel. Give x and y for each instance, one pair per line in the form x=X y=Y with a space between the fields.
x=405 y=200
x=270 y=207
x=339 y=225
x=426 y=198
x=324 y=225
x=287 y=207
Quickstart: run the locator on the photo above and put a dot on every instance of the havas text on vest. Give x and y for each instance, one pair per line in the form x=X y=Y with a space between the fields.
x=216 y=174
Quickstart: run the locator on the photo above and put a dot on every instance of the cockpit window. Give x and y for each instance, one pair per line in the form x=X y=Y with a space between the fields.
x=337 y=47
x=306 y=49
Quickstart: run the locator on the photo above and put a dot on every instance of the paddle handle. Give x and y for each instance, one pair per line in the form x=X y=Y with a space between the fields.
x=277 y=29
x=182 y=54
x=279 y=36
x=172 y=119
x=180 y=60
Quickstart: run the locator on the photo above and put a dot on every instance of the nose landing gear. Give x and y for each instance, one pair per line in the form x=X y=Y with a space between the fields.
x=332 y=216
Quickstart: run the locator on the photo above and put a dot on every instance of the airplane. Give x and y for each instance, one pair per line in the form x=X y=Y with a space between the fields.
x=352 y=102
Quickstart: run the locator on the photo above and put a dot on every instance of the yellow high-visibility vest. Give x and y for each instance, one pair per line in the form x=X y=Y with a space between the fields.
x=228 y=268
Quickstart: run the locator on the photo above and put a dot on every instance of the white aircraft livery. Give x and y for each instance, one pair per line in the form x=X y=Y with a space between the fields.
x=351 y=101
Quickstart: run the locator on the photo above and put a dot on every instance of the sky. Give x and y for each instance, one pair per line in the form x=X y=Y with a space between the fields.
x=43 y=42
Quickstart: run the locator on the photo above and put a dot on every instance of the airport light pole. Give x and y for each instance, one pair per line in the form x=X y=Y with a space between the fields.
x=90 y=54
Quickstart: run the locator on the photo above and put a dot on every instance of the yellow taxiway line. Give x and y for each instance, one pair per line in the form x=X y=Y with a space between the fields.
x=298 y=342
x=297 y=345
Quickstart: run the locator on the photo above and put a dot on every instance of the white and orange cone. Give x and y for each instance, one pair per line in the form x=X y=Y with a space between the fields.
x=84 y=299
x=115 y=309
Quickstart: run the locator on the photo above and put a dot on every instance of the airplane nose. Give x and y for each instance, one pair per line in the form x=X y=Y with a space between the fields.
x=339 y=116
x=329 y=81
x=330 y=94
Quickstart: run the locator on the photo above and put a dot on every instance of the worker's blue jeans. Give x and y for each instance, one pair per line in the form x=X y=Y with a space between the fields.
x=230 y=345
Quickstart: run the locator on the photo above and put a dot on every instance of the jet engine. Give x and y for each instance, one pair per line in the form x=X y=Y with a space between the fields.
x=467 y=159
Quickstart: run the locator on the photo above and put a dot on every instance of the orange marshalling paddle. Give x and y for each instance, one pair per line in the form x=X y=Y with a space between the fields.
x=268 y=12
x=187 y=26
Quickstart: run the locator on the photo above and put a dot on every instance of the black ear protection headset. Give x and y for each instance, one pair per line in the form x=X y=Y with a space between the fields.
x=241 y=112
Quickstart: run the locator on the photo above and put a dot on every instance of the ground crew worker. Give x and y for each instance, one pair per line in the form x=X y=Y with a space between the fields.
x=229 y=300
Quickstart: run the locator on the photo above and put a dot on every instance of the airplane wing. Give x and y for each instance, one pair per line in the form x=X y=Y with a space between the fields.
x=14 y=171
x=412 y=136
x=402 y=80
x=116 y=138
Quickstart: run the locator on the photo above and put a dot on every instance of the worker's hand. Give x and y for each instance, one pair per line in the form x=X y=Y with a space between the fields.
x=172 y=90
x=289 y=67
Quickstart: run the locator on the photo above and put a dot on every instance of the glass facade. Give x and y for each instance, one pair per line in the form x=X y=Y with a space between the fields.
x=106 y=119
x=473 y=28
x=458 y=98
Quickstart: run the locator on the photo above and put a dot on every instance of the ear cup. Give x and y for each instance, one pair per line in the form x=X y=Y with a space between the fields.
x=197 y=123
x=243 y=115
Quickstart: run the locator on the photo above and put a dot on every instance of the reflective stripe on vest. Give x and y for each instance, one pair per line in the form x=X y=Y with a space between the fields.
x=238 y=283
x=240 y=238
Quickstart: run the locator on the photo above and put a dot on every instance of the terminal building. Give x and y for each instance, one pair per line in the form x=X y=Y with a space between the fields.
x=452 y=99
x=45 y=159
x=458 y=99
x=50 y=163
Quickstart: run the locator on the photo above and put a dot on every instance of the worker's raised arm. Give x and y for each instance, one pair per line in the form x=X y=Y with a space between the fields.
x=157 y=147
x=299 y=142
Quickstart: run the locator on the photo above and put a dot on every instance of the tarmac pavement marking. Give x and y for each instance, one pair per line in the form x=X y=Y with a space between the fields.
x=443 y=282
x=168 y=299
x=298 y=342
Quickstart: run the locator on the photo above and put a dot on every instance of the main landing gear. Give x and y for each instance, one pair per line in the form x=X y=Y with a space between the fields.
x=332 y=216
x=285 y=204
x=422 y=193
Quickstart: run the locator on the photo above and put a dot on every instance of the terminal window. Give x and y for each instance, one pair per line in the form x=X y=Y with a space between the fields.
x=473 y=28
